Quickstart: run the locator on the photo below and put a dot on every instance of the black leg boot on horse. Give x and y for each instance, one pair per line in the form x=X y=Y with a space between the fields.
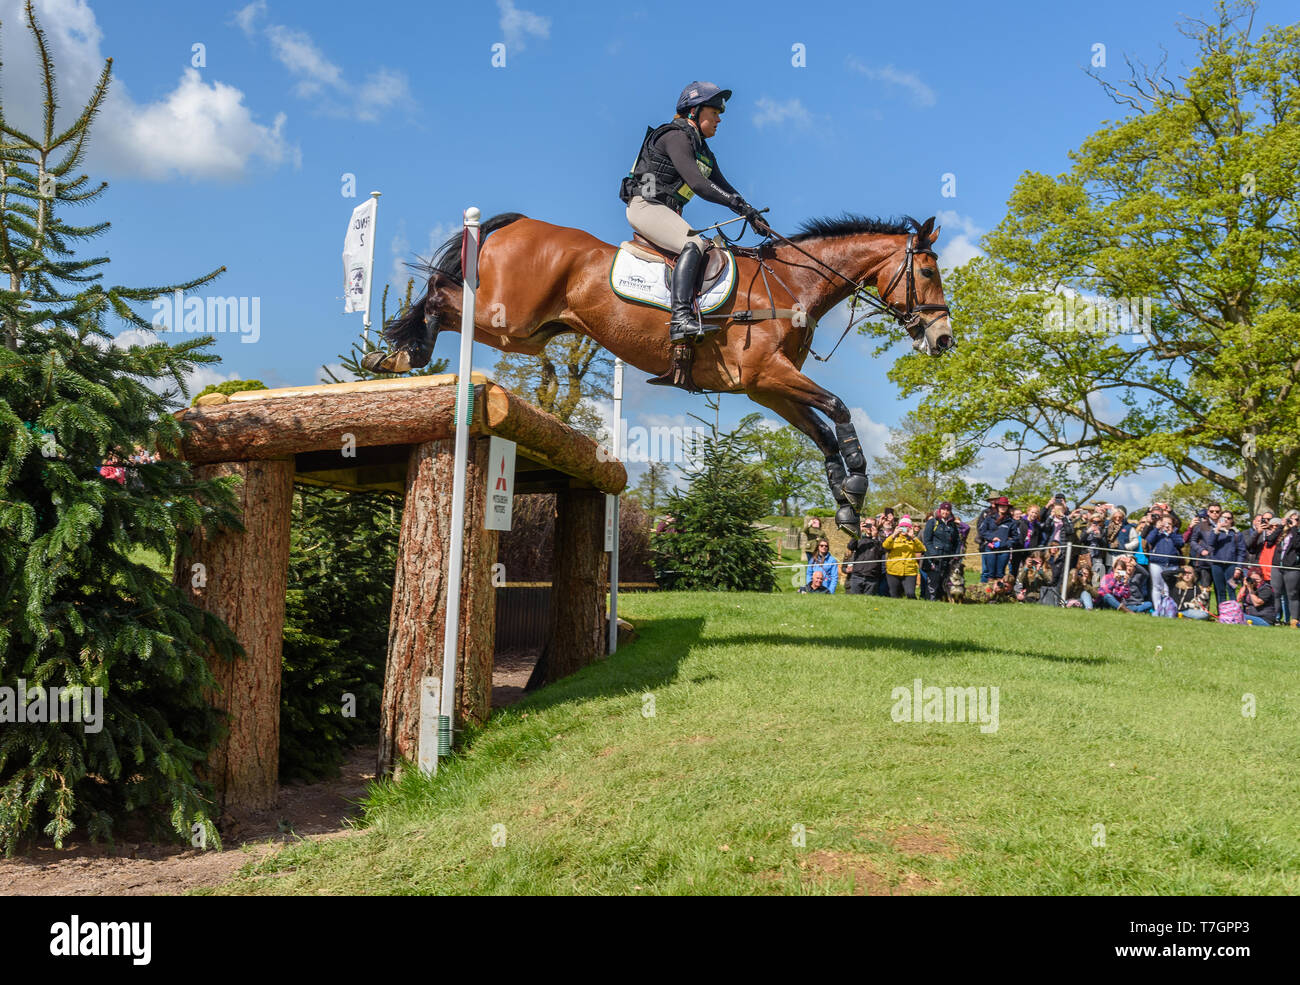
x=683 y=328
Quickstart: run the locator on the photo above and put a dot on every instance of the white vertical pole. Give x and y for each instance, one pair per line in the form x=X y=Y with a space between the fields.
x=370 y=277
x=613 y=556
x=1065 y=577
x=456 y=552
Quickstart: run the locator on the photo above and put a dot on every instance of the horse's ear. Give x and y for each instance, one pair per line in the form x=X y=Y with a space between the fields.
x=924 y=231
x=934 y=234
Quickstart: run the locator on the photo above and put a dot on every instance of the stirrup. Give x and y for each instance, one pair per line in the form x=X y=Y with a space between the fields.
x=678 y=373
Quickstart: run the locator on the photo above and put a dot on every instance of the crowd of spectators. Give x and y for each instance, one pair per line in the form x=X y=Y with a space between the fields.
x=1207 y=567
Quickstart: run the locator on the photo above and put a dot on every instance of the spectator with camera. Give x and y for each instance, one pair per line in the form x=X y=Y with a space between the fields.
x=901 y=566
x=995 y=539
x=1284 y=538
x=1200 y=542
x=867 y=557
x=1163 y=545
x=1124 y=587
x=1035 y=577
x=812 y=532
x=1118 y=533
x=1258 y=607
x=942 y=540
x=1227 y=557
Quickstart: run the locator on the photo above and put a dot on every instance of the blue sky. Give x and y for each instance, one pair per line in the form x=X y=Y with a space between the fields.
x=240 y=162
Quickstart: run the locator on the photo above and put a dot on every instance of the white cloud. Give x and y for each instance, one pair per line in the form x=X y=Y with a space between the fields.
x=517 y=25
x=198 y=130
x=320 y=79
x=958 y=242
x=296 y=51
x=922 y=94
x=771 y=112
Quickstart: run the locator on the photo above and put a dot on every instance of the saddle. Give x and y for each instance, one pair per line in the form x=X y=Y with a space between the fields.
x=715 y=259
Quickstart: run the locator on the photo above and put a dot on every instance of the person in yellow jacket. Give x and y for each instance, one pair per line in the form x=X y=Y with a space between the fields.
x=901 y=565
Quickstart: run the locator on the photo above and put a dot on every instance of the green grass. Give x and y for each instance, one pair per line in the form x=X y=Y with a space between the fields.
x=774 y=711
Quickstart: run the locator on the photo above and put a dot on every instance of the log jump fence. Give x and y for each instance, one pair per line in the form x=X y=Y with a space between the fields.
x=397 y=435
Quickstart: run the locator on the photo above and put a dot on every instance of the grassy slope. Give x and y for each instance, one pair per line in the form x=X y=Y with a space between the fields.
x=772 y=711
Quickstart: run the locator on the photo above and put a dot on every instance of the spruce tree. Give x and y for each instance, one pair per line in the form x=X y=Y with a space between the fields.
x=76 y=612
x=710 y=542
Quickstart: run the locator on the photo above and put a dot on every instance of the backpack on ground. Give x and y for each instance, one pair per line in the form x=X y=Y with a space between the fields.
x=1049 y=596
x=1231 y=612
x=1167 y=608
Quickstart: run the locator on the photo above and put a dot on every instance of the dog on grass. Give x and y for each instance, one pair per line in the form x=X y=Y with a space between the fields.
x=955 y=590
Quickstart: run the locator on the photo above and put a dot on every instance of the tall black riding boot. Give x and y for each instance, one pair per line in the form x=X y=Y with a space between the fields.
x=683 y=325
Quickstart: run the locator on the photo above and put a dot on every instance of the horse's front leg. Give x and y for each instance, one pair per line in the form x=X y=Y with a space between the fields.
x=805 y=420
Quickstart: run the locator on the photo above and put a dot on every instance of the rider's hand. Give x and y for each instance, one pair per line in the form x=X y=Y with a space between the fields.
x=756 y=221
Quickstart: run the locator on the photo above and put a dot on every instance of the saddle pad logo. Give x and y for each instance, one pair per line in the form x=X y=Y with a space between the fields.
x=646 y=282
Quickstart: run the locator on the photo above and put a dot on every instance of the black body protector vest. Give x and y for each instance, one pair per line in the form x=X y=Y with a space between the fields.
x=653 y=176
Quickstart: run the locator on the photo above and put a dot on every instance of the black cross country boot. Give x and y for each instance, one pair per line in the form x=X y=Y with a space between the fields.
x=683 y=328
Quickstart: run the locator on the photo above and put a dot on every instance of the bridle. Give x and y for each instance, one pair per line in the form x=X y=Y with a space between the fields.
x=911 y=316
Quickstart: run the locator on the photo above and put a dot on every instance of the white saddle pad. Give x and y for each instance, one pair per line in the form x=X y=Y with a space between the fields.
x=646 y=282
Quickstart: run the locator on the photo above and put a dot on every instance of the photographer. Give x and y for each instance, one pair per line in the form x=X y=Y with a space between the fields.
x=1284 y=538
x=1256 y=597
x=995 y=539
x=901 y=566
x=1227 y=557
x=1118 y=533
x=867 y=556
x=812 y=532
x=1034 y=577
x=1163 y=546
x=940 y=537
x=1200 y=542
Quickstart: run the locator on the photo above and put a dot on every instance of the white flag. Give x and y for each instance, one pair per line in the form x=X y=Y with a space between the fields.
x=357 y=256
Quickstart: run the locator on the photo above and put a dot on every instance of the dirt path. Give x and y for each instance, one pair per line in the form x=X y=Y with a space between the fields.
x=143 y=868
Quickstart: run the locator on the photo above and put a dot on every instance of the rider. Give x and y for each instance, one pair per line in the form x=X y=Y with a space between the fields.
x=673 y=166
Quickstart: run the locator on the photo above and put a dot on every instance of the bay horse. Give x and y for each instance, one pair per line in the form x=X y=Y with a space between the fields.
x=538 y=280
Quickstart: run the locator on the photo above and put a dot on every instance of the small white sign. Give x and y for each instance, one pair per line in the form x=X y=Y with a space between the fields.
x=430 y=702
x=609 y=521
x=500 y=493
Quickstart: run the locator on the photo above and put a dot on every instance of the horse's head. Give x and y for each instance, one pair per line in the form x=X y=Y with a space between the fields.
x=915 y=291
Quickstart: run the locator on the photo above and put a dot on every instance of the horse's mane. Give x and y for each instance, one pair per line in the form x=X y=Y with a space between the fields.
x=852 y=224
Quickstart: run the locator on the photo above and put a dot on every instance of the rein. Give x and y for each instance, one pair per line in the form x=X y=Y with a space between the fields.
x=911 y=318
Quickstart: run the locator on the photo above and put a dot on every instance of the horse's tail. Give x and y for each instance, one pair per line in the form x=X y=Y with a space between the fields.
x=443 y=270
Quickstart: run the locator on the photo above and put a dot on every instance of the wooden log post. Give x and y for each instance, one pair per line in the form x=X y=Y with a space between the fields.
x=577 y=585
x=415 y=633
x=243 y=581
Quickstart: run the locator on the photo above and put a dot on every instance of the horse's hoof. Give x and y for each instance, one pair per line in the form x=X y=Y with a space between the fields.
x=846 y=518
x=855 y=488
x=383 y=362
